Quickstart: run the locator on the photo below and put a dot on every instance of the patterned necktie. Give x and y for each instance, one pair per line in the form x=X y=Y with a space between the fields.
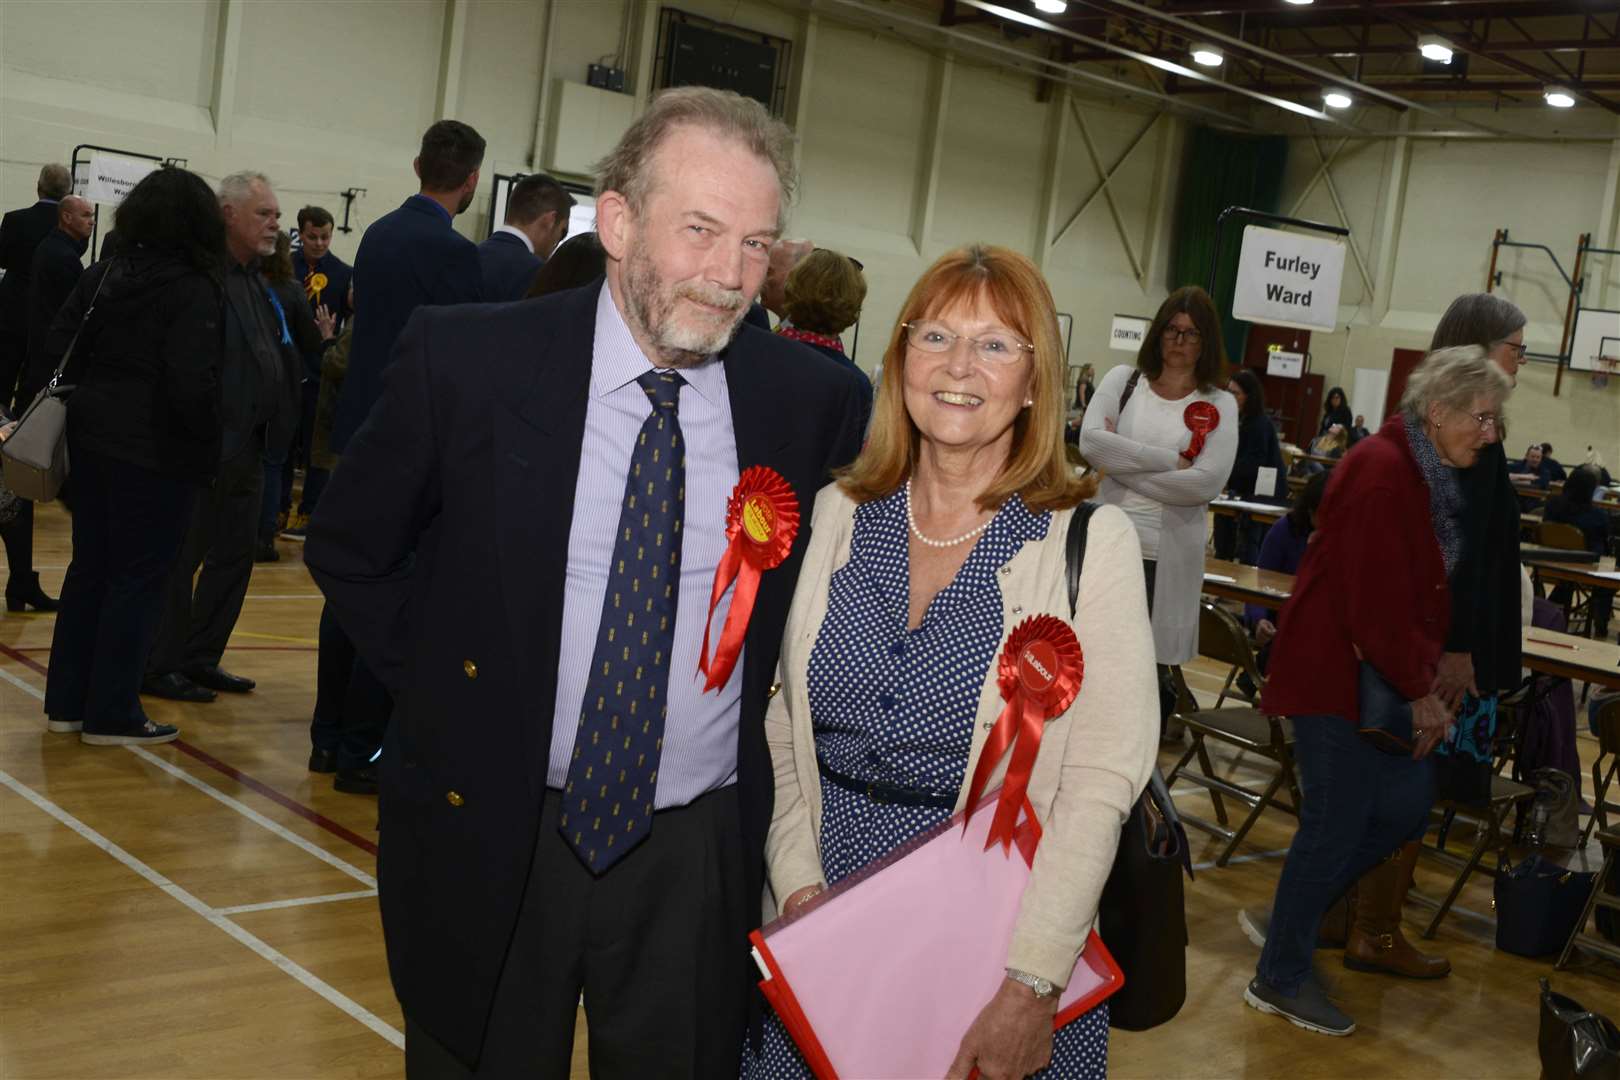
x=608 y=800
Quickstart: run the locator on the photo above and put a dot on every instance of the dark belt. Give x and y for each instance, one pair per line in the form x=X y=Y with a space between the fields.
x=891 y=794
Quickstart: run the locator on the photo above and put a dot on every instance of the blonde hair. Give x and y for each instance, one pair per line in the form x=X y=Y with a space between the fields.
x=1453 y=378
x=627 y=167
x=1037 y=467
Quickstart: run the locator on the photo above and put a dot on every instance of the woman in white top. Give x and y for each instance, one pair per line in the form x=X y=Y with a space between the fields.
x=1137 y=432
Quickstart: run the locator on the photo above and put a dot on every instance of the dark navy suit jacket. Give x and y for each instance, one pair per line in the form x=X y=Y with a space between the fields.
x=335 y=293
x=409 y=258
x=509 y=267
x=442 y=546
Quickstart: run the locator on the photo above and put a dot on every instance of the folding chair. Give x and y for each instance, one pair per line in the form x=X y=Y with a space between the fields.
x=1221 y=638
x=1608 y=725
x=1577 y=600
x=1488 y=821
x=1610 y=839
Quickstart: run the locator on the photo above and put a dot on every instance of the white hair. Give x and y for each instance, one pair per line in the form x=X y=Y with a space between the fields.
x=1453 y=378
x=239 y=185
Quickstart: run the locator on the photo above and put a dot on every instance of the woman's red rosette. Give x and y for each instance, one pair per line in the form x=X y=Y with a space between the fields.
x=1041 y=668
x=762 y=518
x=1201 y=418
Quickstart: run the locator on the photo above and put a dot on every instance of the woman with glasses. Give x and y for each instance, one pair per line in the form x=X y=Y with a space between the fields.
x=1368 y=618
x=1140 y=431
x=945 y=534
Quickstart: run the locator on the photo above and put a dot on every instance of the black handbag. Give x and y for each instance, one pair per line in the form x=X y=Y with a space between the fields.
x=1538 y=904
x=1576 y=1044
x=1142 y=916
x=1386 y=717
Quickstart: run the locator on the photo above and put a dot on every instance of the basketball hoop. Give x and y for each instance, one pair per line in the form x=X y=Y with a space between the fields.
x=1603 y=368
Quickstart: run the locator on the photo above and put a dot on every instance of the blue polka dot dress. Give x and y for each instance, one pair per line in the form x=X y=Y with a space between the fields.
x=897 y=705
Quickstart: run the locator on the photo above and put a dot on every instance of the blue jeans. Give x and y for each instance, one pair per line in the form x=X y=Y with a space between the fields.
x=1359 y=804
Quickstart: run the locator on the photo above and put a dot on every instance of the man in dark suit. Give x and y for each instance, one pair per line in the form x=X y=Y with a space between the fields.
x=536 y=221
x=20 y=233
x=533 y=472
x=259 y=407
x=409 y=258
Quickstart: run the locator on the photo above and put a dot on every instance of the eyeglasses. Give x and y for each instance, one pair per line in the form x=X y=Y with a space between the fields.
x=1485 y=420
x=993 y=348
x=1518 y=350
x=1176 y=337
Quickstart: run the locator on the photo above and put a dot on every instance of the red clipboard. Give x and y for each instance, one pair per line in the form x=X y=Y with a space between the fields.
x=881 y=975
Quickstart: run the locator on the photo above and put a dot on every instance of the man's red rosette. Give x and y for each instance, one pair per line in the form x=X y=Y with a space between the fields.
x=1040 y=672
x=1201 y=418
x=762 y=518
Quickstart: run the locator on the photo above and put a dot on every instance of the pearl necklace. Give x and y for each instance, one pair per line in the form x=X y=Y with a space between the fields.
x=912 y=521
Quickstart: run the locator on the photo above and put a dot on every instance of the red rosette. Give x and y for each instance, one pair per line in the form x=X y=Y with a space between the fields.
x=1039 y=674
x=1201 y=418
x=762 y=520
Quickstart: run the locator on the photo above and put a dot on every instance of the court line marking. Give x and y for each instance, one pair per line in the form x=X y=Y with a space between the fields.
x=297 y=901
x=302 y=975
x=240 y=807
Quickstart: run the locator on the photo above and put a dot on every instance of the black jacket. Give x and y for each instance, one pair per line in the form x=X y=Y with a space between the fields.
x=20 y=233
x=56 y=269
x=442 y=546
x=146 y=366
x=1257 y=448
x=1485 y=584
x=509 y=267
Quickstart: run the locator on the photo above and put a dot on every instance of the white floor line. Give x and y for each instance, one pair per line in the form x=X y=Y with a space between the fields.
x=297 y=901
x=279 y=959
x=219 y=796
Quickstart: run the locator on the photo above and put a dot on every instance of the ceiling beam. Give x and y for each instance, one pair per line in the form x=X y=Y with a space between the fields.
x=1418 y=86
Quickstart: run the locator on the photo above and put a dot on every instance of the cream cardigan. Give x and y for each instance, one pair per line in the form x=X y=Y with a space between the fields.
x=1094 y=759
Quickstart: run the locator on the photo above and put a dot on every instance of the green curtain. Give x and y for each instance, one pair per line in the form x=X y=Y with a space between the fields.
x=1221 y=170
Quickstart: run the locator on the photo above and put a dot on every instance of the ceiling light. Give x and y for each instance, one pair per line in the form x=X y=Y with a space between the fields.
x=1299 y=3
x=1052 y=7
x=1436 y=48
x=1207 y=55
x=1336 y=99
x=1558 y=97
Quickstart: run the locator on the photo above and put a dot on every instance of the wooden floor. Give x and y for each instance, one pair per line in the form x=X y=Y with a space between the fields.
x=207 y=908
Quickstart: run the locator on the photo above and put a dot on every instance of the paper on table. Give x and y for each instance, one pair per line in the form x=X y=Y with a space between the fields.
x=1610 y=575
x=1220 y=577
x=1265 y=481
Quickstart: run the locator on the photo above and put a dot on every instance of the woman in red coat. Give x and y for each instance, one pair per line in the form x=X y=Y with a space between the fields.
x=1372 y=588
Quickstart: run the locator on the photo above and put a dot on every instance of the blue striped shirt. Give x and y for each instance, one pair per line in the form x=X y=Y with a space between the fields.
x=700 y=730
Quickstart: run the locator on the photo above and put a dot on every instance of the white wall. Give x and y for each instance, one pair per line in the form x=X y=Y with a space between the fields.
x=329 y=94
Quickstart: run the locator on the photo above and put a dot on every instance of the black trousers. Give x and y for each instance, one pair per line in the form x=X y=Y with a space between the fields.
x=657 y=945
x=18 y=535
x=351 y=704
x=197 y=625
x=13 y=363
x=128 y=526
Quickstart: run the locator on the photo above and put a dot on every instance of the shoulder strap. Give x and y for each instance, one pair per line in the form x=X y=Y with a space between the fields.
x=1130 y=388
x=90 y=309
x=1075 y=553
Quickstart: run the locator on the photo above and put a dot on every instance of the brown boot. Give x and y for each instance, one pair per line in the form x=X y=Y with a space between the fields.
x=1334 y=930
x=1376 y=942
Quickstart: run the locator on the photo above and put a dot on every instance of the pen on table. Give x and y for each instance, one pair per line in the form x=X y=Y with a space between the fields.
x=1554 y=644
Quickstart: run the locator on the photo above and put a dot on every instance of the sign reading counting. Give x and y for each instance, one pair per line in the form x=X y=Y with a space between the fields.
x=1288 y=279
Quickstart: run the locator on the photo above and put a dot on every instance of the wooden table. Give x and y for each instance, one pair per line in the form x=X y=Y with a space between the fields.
x=1265 y=513
x=1246 y=584
x=1570 y=657
x=1587 y=575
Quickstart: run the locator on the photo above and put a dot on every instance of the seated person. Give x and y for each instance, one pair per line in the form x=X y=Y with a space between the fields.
x=1574 y=507
x=1282 y=550
x=1332 y=443
x=1555 y=471
x=1532 y=469
x=1359 y=430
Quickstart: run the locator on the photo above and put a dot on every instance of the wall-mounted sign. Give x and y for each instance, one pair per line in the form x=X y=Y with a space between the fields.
x=1288 y=279
x=1287 y=365
x=1126 y=333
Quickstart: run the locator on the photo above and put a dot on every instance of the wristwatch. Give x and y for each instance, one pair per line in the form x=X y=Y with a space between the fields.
x=1044 y=988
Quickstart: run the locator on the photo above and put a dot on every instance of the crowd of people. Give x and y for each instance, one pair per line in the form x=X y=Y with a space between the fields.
x=517 y=512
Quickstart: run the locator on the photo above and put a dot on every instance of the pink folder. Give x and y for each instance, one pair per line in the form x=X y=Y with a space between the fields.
x=880 y=976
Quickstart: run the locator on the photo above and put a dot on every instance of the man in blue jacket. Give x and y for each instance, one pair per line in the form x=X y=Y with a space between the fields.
x=409 y=258
x=536 y=221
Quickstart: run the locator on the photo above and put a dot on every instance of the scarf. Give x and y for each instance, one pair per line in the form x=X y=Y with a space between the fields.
x=826 y=341
x=1445 y=498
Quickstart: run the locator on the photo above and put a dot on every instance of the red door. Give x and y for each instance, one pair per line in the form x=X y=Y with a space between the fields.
x=1296 y=403
x=1401 y=367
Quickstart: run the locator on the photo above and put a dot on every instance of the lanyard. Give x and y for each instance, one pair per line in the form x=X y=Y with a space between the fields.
x=275 y=302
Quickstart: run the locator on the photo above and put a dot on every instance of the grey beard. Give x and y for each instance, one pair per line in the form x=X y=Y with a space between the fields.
x=653 y=308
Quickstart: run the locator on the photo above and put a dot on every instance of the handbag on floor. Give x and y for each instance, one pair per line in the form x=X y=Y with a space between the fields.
x=1538 y=904
x=1553 y=821
x=1576 y=1044
x=35 y=456
x=1142 y=915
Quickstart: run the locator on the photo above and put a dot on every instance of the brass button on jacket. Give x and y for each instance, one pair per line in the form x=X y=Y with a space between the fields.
x=454 y=798
x=470 y=668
